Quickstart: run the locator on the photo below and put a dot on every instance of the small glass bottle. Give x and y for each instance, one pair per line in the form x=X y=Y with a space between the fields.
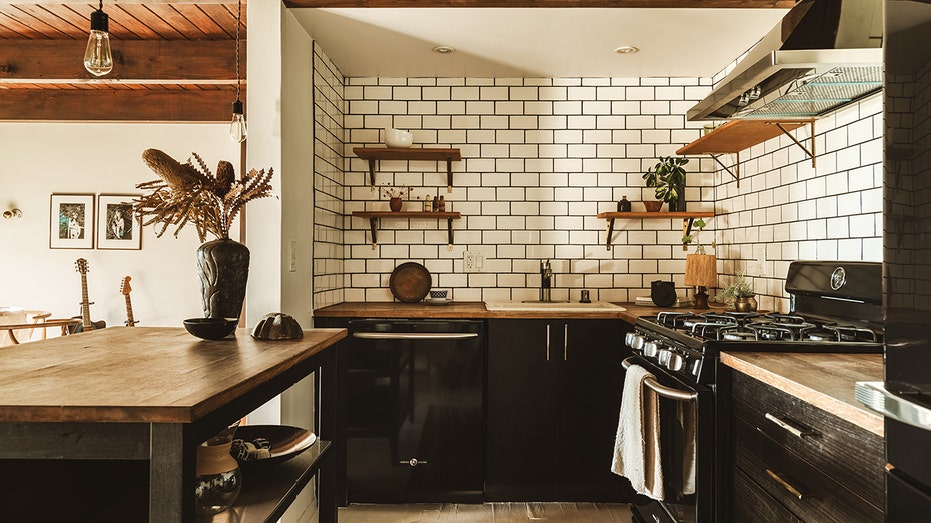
x=623 y=205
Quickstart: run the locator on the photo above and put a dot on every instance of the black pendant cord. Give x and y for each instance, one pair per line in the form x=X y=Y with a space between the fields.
x=238 y=24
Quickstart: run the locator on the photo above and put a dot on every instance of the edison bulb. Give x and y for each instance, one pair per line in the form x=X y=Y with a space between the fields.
x=98 y=60
x=237 y=130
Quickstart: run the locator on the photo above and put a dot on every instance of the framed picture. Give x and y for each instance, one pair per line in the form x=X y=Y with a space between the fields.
x=118 y=226
x=71 y=221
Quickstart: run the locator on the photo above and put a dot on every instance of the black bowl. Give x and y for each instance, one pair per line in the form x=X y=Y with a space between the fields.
x=210 y=328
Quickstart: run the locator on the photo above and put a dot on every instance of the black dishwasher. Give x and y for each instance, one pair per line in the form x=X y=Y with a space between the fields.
x=414 y=410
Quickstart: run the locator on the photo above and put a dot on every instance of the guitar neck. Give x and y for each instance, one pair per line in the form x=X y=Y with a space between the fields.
x=130 y=322
x=85 y=305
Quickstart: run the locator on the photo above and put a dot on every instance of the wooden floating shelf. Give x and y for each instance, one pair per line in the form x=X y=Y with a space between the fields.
x=686 y=216
x=738 y=135
x=373 y=154
x=374 y=216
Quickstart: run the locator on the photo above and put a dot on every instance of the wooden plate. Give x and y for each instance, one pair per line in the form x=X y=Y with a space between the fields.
x=410 y=282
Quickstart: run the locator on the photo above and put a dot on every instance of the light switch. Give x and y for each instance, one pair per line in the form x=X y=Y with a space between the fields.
x=292 y=256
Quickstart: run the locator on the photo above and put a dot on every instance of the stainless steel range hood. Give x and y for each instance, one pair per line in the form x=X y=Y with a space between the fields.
x=823 y=55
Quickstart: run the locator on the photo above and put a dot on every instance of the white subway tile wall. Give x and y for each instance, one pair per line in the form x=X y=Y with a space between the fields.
x=543 y=156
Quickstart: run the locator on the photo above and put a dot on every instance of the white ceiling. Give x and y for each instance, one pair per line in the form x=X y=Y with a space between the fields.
x=567 y=42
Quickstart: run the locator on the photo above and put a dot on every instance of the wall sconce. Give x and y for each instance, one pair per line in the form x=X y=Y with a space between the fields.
x=9 y=214
x=98 y=60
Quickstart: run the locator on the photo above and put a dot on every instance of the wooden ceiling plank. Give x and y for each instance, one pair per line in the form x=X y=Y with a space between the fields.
x=12 y=21
x=691 y=4
x=125 y=106
x=225 y=18
x=209 y=61
x=45 y=22
x=148 y=19
x=129 y=27
x=178 y=21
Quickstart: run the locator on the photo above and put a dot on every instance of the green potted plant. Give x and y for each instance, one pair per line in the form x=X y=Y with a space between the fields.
x=667 y=177
x=740 y=294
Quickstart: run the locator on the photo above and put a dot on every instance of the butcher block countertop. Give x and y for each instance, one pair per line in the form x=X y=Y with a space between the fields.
x=823 y=380
x=469 y=309
x=142 y=374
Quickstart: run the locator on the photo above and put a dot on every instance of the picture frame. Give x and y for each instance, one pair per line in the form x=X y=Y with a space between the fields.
x=118 y=225
x=71 y=221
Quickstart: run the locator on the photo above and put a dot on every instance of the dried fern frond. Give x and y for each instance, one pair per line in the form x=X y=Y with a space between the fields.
x=191 y=193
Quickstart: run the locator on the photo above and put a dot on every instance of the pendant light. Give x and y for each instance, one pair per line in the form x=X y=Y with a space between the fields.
x=237 y=130
x=97 y=57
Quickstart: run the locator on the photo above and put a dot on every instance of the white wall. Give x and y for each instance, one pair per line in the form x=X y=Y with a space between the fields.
x=39 y=159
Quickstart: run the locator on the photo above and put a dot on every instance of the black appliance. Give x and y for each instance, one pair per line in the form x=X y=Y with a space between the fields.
x=905 y=395
x=834 y=307
x=414 y=410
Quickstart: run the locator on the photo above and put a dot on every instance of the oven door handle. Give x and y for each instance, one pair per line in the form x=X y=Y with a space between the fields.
x=662 y=390
x=414 y=335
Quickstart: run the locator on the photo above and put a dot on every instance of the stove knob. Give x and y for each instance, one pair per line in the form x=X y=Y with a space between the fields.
x=651 y=349
x=634 y=340
x=663 y=357
x=676 y=362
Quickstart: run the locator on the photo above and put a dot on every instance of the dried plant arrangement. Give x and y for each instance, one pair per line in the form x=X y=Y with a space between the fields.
x=189 y=192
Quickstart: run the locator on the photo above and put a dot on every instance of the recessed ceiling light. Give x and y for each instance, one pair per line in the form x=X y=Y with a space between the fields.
x=626 y=49
x=444 y=49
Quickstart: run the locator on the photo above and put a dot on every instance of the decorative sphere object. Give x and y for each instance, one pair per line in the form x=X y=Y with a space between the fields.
x=277 y=326
x=398 y=138
x=211 y=328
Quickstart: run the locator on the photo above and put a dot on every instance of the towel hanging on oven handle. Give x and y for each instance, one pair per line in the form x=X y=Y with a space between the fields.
x=662 y=390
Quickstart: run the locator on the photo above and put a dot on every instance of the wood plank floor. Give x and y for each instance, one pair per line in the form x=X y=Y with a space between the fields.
x=486 y=513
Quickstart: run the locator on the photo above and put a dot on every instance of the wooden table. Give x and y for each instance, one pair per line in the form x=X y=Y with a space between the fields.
x=151 y=395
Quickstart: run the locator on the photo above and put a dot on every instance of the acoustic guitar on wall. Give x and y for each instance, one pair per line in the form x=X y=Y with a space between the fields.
x=82 y=267
x=125 y=289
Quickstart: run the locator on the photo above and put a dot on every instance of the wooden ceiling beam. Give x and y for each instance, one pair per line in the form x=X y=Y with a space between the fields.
x=116 y=106
x=135 y=61
x=689 y=4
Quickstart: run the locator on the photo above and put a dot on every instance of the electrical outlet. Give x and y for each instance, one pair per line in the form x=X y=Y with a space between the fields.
x=473 y=261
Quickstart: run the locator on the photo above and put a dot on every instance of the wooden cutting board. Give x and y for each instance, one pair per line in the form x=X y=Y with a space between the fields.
x=410 y=282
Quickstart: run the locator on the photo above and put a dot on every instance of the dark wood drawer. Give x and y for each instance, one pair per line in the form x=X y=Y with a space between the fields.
x=844 y=451
x=810 y=494
x=752 y=503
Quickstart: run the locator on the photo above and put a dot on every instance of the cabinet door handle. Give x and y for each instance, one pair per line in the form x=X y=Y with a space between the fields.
x=565 y=342
x=547 y=342
x=797 y=429
x=786 y=485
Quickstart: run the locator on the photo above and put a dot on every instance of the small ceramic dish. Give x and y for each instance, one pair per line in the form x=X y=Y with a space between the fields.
x=210 y=328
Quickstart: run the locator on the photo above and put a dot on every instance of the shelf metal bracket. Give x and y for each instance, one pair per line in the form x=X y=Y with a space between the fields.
x=686 y=230
x=449 y=180
x=811 y=154
x=373 y=223
x=610 y=233
x=449 y=231
x=735 y=173
x=372 y=172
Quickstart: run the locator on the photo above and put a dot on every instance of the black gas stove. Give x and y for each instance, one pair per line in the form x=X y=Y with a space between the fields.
x=835 y=307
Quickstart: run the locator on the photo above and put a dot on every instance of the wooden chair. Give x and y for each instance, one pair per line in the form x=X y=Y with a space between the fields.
x=67 y=326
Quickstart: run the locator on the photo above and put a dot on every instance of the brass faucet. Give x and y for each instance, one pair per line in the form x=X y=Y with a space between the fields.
x=546 y=280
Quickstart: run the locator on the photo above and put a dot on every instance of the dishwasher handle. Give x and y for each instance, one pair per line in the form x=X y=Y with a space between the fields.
x=415 y=335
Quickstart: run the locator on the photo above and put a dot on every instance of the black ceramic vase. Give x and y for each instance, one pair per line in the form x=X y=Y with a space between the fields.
x=223 y=267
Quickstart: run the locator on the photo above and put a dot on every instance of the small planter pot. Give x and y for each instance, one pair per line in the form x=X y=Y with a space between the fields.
x=653 y=206
x=395 y=204
x=745 y=304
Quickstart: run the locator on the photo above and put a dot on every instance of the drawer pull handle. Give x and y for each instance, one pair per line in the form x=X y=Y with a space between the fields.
x=798 y=431
x=786 y=485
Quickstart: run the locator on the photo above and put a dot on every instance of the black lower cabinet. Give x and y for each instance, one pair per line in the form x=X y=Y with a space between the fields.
x=412 y=410
x=552 y=403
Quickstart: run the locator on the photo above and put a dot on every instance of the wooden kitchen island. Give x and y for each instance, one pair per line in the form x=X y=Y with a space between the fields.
x=128 y=406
